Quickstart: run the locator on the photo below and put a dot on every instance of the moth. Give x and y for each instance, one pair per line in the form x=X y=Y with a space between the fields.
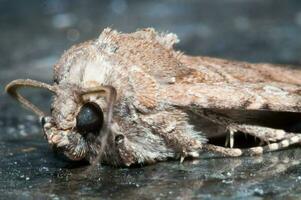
x=127 y=99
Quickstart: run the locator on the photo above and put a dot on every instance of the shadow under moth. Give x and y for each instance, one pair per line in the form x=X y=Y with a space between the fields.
x=125 y=99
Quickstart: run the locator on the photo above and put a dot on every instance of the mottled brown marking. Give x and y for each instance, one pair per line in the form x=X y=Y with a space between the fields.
x=156 y=89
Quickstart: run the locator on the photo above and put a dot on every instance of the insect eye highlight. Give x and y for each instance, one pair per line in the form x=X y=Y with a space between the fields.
x=89 y=119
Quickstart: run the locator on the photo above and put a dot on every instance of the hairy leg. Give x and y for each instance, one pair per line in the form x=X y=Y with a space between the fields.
x=234 y=152
x=177 y=133
x=276 y=139
x=265 y=134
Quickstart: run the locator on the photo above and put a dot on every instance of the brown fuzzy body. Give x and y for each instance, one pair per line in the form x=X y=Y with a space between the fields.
x=159 y=91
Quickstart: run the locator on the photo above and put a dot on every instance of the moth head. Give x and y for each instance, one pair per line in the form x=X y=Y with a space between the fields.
x=77 y=126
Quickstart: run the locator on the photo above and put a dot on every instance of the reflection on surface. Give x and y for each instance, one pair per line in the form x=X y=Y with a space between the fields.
x=29 y=169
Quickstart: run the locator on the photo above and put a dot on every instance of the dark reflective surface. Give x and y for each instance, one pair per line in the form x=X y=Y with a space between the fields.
x=35 y=33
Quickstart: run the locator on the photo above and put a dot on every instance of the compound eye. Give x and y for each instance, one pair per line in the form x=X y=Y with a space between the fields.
x=89 y=119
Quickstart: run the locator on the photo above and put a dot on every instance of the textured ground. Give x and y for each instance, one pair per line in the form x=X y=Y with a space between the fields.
x=35 y=33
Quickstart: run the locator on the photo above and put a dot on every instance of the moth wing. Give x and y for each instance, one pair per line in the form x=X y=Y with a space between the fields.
x=219 y=70
x=222 y=84
x=237 y=96
x=260 y=94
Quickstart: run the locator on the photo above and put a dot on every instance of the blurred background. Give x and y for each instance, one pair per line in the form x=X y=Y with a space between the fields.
x=33 y=35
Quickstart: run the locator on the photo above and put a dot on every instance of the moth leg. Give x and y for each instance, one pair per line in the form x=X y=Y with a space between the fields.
x=230 y=137
x=172 y=126
x=234 y=152
x=289 y=140
x=265 y=134
x=220 y=120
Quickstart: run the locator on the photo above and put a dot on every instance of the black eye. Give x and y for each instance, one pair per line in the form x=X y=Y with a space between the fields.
x=89 y=119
